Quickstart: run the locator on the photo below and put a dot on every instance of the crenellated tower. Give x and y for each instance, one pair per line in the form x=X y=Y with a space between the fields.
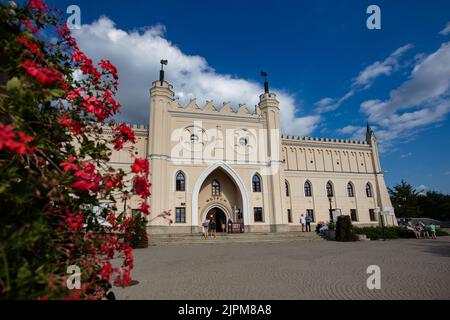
x=270 y=111
x=161 y=96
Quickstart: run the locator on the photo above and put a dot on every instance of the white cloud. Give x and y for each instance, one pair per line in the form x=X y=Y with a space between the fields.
x=136 y=54
x=446 y=30
x=420 y=102
x=406 y=155
x=365 y=79
x=430 y=81
x=355 y=132
x=422 y=189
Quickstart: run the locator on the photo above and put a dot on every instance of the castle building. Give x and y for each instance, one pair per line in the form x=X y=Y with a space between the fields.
x=236 y=165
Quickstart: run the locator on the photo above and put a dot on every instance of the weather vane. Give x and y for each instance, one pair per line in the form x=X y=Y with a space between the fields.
x=266 y=84
x=161 y=72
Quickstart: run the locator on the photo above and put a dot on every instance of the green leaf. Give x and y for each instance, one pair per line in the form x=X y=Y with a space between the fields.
x=14 y=84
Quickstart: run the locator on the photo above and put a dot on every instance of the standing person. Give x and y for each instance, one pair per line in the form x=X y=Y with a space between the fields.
x=410 y=228
x=432 y=231
x=308 y=222
x=424 y=230
x=303 y=222
x=213 y=228
x=205 y=227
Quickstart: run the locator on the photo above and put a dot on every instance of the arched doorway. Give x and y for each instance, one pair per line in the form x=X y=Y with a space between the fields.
x=243 y=200
x=219 y=217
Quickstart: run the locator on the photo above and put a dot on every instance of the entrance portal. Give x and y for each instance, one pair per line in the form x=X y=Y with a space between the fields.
x=219 y=217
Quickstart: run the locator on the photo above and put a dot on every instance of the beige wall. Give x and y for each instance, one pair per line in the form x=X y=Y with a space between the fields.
x=300 y=158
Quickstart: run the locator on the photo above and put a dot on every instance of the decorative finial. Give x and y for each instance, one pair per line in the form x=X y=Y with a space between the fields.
x=266 y=84
x=161 y=72
x=369 y=132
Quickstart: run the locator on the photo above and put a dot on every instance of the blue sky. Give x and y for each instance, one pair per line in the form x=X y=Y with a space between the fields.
x=316 y=53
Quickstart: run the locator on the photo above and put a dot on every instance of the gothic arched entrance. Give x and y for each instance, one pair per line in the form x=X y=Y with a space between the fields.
x=219 y=216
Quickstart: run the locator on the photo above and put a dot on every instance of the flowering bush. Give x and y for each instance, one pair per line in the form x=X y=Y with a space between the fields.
x=57 y=191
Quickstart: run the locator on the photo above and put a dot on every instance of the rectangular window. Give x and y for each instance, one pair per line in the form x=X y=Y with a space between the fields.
x=353 y=215
x=373 y=217
x=180 y=215
x=310 y=212
x=258 y=214
x=289 y=216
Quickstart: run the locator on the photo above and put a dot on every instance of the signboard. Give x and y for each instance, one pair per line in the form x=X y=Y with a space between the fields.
x=237 y=228
x=388 y=211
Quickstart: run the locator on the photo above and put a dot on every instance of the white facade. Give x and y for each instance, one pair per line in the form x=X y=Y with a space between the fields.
x=216 y=154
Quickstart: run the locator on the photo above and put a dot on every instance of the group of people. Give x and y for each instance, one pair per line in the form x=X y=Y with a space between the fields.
x=209 y=228
x=421 y=230
x=306 y=223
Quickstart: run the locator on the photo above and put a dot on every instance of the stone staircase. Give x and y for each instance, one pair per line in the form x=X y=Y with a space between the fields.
x=222 y=238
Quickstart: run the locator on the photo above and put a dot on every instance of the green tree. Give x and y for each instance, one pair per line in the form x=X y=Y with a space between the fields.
x=405 y=200
x=435 y=205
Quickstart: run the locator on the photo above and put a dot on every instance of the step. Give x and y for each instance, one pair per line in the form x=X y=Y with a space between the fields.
x=180 y=239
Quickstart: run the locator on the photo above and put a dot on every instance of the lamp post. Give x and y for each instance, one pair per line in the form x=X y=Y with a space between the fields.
x=380 y=214
x=331 y=207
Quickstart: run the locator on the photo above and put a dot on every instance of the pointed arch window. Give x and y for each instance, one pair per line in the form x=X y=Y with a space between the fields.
x=350 y=190
x=180 y=182
x=369 y=192
x=256 y=183
x=215 y=188
x=308 y=189
x=286 y=185
x=330 y=192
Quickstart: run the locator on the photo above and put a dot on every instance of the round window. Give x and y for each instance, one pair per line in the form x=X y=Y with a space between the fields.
x=194 y=138
x=243 y=141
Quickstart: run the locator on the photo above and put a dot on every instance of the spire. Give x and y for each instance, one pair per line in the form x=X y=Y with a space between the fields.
x=266 y=84
x=369 y=133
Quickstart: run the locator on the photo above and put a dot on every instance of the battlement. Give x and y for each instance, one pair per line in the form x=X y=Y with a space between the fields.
x=209 y=108
x=323 y=140
x=137 y=126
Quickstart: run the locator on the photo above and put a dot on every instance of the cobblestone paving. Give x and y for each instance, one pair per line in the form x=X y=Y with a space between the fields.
x=410 y=269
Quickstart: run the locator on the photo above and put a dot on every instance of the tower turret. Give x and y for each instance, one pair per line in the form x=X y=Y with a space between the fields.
x=269 y=107
x=161 y=96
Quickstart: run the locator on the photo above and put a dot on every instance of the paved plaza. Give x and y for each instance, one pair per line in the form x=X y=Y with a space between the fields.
x=317 y=269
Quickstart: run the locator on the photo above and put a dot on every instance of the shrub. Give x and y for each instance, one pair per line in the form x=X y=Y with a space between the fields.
x=344 y=229
x=58 y=191
x=390 y=232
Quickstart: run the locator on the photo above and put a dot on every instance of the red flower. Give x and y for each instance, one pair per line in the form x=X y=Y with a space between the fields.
x=89 y=179
x=31 y=46
x=18 y=143
x=74 y=125
x=74 y=221
x=145 y=208
x=112 y=182
x=41 y=74
x=142 y=186
x=38 y=7
x=140 y=165
x=106 y=272
x=108 y=66
x=123 y=134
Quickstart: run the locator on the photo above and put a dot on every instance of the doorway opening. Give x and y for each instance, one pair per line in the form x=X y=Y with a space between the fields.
x=219 y=217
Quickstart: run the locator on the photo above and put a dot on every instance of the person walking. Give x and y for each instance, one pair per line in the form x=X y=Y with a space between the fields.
x=205 y=227
x=308 y=223
x=303 y=222
x=213 y=228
